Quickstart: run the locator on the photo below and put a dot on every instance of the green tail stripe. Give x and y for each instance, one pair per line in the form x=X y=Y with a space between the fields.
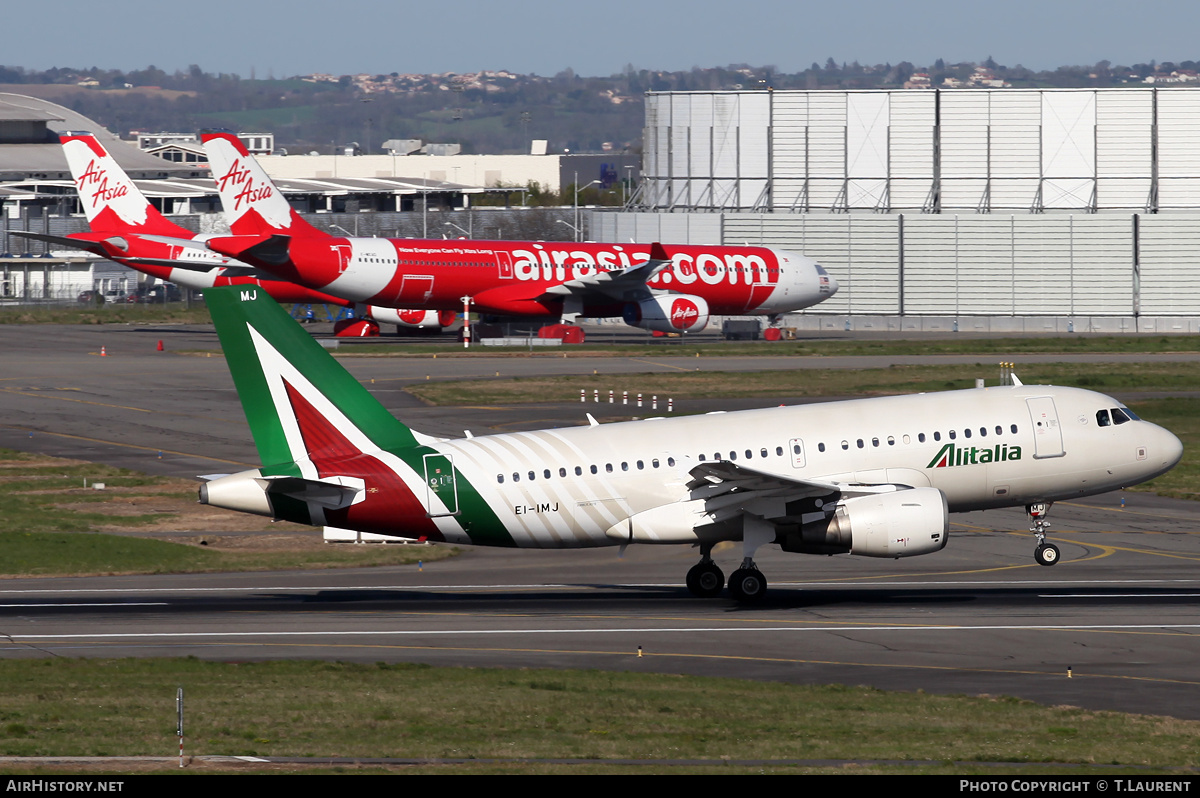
x=233 y=308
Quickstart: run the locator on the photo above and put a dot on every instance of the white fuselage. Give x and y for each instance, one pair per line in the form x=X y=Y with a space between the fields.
x=983 y=448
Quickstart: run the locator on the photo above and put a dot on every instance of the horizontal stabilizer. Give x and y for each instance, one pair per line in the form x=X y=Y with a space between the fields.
x=332 y=493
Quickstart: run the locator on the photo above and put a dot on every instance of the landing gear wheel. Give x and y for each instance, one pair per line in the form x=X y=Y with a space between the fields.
x=705 y=580
x=1046 y=554
x=747 y=585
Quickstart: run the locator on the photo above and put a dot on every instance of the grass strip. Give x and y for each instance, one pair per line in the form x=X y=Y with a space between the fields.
x=125 y=707
x=808 y=383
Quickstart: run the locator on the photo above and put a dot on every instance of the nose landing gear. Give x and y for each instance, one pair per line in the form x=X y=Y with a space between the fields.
x=1045 y=553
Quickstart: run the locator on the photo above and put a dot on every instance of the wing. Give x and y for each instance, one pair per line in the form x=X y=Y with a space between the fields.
x=730 y=490
x=624 y=285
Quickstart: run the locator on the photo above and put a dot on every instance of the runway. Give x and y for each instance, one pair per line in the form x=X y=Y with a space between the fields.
x=1113 y=626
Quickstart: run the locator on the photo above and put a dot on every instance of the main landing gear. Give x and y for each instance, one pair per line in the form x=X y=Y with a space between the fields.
x=1045 y=553
x=747 y=584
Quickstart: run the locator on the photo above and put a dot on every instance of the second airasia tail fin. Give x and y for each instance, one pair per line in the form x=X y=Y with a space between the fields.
x=111 y=201
x=253 y=204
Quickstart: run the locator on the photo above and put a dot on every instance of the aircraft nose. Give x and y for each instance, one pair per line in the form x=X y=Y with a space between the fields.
x=833 y=283
x=1168 y=447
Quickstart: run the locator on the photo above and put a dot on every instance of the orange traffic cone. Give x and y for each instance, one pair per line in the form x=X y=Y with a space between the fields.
x=103 y=353
x=160 y=346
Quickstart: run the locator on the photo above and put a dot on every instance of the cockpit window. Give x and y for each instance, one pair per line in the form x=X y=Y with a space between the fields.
x=1102 y=418
x=1119 y=416
x=1132 y=415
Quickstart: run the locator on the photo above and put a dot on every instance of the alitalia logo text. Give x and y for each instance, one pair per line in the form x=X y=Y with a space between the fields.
x=951 y=455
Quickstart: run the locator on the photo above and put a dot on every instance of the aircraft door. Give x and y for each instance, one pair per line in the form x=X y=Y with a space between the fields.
x=440 y=483
x=796 y=447
x=1047 y=433
x=504 y=262
x=415 y=290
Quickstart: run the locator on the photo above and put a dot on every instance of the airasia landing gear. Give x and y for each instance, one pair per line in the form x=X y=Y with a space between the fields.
x=1045 y=553
x=705 y=579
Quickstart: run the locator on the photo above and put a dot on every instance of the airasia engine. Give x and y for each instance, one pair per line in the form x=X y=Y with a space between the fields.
x=902 y=523
x=409 y=318
x=672 y=313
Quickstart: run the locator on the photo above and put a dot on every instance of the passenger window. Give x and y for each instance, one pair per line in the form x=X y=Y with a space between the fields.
x=641 y=465
x=608 y=467
x=654 y=462
x=763 y=453
x=983 y=432
x=875 y=442
x=891 y=441
x=532 y=476
x=671 y=461
x=562 y=472
x=595 y=470
x=999 y=430
x=920 y=437
x=546 y=473
x=937 y=436
x=578 y=471
x=516 y=477
x=820 y=447
x=967 y=432
x=860 y=443
x=953 y=434
x=845 y=444
x=500 y=478
x=1014 y=429
x=779 y=451
x=624 y=466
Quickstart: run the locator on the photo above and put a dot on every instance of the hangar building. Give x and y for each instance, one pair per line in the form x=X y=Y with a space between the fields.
x=1023 y=208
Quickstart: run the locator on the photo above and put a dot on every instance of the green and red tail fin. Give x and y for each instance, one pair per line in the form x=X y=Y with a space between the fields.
x=300 y=403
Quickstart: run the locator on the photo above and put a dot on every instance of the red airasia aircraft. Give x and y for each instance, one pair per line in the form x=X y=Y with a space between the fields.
x=646 y=285
x=126 y=228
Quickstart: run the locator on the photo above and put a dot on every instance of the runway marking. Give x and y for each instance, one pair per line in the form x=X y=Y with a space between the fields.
x=621 y=586
x=660 y=365
x=49 y=394
x=128 y=445
x=678 y=655
x=1173 y=628
x=90 y=604
x=1120 y=595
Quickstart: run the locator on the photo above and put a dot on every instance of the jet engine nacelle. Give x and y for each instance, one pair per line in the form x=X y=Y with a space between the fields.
x=409 y=318
x=672 y=313
x=902 y=523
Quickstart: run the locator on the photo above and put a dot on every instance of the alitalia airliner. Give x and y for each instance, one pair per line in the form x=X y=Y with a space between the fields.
x=874 y=477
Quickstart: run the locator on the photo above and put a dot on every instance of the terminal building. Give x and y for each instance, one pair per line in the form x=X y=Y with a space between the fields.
x=969 y=209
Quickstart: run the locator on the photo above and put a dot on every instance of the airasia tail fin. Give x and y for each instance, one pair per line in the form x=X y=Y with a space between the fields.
x=111 y=201
x=252 y=202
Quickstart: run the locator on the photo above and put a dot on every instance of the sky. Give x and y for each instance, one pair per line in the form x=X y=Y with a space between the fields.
x=594 y=39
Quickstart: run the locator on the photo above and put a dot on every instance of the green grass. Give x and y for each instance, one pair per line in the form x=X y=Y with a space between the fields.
x=808 y=382
x=44 y=507
x=106 y=314
x=990 y=349
x=79 y=707
x=1182 y=417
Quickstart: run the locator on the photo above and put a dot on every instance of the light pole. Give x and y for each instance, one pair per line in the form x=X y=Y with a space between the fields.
x=575 y=226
